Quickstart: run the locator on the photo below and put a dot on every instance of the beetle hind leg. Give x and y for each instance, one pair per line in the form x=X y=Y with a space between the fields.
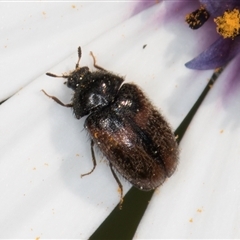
x=119 y=185
x=93 y=159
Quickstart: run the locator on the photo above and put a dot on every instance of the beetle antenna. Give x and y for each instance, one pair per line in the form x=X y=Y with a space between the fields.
x=58 y=76
x=79 y=57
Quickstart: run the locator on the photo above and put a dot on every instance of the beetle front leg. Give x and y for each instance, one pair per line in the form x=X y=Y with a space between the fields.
x=58 y=101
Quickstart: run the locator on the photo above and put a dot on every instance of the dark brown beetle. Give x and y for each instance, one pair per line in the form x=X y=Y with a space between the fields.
x=125 y=126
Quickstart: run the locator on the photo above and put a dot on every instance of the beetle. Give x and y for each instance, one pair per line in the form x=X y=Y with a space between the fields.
x=129 y=131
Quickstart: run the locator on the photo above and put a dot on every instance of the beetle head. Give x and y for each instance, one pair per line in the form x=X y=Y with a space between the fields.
x=76 y=76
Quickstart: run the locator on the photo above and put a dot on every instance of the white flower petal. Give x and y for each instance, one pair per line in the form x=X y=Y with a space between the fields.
x=201 y=200
x=37 y=35
x=44 y=148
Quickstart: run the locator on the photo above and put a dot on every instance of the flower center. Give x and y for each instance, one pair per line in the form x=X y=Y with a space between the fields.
x=228 y=25
x=197 y=18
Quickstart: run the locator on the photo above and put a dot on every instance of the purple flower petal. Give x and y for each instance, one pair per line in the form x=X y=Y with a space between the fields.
x=217 y=55
x=217 y=7
x=143 y=5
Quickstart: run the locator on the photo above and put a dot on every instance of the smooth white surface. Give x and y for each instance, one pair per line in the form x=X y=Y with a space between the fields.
x=38 y=35
x=44 y=149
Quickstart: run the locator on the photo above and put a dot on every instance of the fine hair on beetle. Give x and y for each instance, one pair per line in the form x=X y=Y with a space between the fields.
x=130 y=132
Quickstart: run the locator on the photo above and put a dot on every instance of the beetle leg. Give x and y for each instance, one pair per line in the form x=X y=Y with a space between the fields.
x=95 y=64
x=58 y=101
x=119 y=185
x=93 y=159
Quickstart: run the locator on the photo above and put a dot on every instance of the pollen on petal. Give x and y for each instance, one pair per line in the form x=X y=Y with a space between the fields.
x=228 y=25
x=197 y=18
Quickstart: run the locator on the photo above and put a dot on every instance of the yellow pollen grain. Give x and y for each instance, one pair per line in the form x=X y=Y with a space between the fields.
x=228 y=25
x=199 y=210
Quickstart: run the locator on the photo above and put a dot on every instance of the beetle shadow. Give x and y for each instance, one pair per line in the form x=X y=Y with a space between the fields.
x=73 y=144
